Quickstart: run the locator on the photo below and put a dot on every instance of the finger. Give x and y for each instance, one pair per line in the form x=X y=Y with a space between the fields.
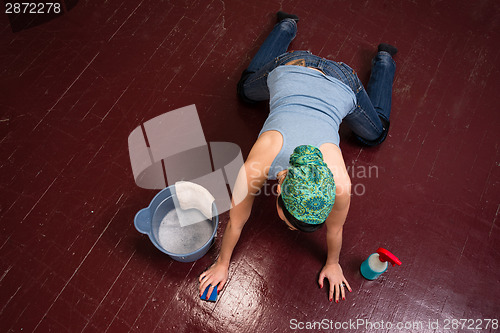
x=320 y=280
x=201 y=288
x=348 y=286
x=342 y=291
x=202 y=275
x=337 y=292
x=221 y=285
x=331 y=292
x=209 y=292
x=204 y=285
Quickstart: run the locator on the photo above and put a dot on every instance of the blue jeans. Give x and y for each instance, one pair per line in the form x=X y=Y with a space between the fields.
x=369 y=120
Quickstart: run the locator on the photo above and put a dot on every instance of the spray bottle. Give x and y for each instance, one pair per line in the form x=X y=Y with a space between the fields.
x=376 y=263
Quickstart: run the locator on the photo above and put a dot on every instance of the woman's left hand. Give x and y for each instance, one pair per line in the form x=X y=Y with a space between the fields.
x=335 y=276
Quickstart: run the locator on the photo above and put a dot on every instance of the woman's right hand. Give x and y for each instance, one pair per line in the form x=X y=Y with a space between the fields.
x=216 y=276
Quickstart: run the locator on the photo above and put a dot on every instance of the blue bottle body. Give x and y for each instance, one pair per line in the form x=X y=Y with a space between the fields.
x=372 y=267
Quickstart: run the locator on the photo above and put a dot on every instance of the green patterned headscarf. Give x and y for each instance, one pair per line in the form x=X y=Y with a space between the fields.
x=308 y=190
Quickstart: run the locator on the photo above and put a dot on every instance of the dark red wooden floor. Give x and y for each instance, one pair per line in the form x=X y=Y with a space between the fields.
x=72 y=90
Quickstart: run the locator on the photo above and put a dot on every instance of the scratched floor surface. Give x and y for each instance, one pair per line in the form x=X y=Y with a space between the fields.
x=72 y=89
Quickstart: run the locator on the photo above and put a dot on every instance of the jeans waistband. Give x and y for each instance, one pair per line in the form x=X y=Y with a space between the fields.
x=331 y=68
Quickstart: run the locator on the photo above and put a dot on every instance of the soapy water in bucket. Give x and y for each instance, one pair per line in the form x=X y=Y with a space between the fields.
x=182 y=240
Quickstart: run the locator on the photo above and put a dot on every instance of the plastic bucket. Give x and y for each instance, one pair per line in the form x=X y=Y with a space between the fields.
x=159 y=222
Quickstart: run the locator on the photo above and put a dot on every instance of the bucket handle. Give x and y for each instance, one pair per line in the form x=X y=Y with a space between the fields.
x=142 y=221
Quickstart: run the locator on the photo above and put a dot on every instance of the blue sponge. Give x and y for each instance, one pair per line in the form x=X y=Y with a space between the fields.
x=212 y=298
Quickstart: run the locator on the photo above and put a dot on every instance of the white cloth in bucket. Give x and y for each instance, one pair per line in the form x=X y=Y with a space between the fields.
x=192 y=199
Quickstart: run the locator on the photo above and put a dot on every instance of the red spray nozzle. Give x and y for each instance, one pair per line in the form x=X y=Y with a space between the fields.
x=385 y=255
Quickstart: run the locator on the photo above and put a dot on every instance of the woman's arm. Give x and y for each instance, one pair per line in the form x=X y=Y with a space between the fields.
x=334 y=224
x=250 y=179
x=336 y=220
